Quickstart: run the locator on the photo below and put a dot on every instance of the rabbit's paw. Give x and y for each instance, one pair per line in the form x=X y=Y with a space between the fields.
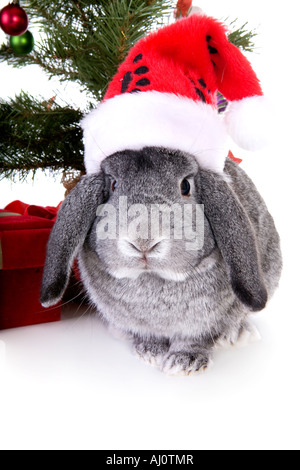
x=185 y=363
x=151 y=350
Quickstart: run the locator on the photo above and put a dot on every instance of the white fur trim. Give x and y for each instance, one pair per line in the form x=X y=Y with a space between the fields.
x=247 y=122
x=137 y=120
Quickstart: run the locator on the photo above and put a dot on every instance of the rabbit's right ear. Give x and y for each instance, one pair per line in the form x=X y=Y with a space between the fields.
x=73 y=222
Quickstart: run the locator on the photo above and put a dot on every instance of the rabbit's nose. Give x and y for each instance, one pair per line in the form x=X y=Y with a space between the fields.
x=142 y=248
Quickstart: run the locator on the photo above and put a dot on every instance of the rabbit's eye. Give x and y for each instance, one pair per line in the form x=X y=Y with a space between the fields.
x=185 y=188
x=114 y=185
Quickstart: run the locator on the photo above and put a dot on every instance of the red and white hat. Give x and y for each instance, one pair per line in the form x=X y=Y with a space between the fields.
x=164 y=95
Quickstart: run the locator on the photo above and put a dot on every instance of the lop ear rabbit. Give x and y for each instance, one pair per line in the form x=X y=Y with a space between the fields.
x=174 y=299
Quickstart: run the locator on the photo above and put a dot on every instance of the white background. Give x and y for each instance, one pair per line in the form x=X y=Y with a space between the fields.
x=72 y=385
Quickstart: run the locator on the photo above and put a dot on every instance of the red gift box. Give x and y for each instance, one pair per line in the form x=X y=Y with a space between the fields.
x=24 y=233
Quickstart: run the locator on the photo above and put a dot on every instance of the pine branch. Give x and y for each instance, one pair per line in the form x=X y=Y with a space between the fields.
x=85 y=41
x=37 y=135
x=7 y=54
x=241 y=37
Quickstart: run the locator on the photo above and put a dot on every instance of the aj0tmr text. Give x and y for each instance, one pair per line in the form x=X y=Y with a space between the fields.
x=155 y=460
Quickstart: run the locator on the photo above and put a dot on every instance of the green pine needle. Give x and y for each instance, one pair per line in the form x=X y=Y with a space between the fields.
x=241 y=37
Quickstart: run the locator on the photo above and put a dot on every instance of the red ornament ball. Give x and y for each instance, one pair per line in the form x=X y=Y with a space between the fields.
x=13 y=20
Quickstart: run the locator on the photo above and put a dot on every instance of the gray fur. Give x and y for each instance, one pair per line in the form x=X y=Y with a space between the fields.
x=186 y=301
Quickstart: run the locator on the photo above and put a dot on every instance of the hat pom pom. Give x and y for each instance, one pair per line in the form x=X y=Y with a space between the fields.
x=247 y=122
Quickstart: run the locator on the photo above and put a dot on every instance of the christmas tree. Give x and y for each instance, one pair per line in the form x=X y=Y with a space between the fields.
x=83 y=41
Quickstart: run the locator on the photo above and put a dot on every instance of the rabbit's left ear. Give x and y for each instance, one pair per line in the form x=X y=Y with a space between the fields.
x=235 y=238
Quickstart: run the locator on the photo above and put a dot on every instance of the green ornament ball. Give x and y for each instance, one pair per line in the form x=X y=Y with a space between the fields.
x=23 y=44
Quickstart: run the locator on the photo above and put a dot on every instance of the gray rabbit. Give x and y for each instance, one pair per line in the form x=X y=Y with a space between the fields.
x=175 y=299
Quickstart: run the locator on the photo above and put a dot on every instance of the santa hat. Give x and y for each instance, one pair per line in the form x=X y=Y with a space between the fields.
x=165 y=95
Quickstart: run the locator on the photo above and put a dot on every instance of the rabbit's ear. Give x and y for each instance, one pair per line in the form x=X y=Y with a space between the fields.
x=74 y=220
x=235 y=238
